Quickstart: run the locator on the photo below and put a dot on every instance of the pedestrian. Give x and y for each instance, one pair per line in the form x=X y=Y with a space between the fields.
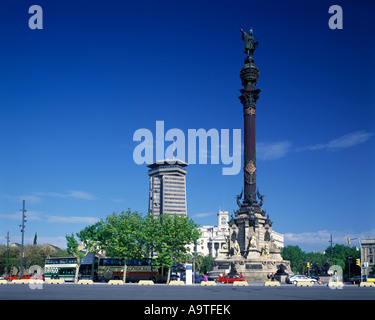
x=205 y=277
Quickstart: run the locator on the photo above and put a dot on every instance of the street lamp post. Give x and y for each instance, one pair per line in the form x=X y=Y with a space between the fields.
x=349 y=262
x=7 y=259
x=23 y=235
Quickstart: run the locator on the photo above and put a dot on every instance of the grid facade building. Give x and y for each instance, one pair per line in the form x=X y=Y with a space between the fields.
x=167 y=187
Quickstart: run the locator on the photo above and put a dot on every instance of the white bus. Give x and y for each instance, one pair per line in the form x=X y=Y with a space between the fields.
x=60 y=268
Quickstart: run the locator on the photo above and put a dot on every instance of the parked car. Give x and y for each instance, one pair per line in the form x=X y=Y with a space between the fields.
x=370 y=279
x=17 y=277
x=315 y=277
x=230 y=278
x=300 y=278
x=355 y=279
x=37 y=276
x=198 y=277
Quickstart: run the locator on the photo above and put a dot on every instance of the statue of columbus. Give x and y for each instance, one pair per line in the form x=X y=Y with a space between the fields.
x=250 y=43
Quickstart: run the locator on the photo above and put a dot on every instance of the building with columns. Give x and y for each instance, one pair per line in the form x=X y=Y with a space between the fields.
x=214 y=238
x=368 y=255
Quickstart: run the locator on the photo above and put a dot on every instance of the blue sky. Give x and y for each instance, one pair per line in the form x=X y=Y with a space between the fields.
x=73 y=94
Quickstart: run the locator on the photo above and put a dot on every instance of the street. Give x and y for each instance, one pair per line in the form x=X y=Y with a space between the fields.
x=179 y=302
x=255 y=291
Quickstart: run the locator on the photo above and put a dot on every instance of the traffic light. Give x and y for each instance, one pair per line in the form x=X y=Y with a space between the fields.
x=358 y=262
x=308 y=265
x=348 y=240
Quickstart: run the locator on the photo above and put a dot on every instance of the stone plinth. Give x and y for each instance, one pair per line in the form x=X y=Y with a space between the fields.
x=251 y=250
x=253 y=270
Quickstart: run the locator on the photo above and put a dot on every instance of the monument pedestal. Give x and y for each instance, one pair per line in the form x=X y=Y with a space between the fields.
x=253 y=270
x=251 y=250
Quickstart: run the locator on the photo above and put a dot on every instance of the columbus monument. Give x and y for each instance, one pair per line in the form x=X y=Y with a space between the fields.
x=250 y=248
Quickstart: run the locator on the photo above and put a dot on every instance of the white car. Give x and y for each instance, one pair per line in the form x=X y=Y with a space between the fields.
x=300 y=278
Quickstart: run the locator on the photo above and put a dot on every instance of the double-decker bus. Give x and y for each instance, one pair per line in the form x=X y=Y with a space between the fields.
x=105 y=269
x=65 y=268
x=60 y=268
x=112 y=269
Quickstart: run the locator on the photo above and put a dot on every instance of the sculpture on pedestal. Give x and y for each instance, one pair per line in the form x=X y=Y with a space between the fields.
x=250 y=249
x=250 y=43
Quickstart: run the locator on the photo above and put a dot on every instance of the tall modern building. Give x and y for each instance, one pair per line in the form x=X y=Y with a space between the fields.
x=167 y=187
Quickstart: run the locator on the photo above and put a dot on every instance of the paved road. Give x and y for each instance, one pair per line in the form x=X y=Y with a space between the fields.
x=182 y=302
x=197 y=292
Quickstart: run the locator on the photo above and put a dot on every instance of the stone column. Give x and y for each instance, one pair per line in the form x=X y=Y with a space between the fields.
x=249 y=76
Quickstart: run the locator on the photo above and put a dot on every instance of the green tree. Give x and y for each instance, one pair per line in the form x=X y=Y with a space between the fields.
x=14 y=259
x=33 y=255
x=203 y=263
x=372 y=270
x=177 y=232
x=320 y=262
x=91 y=236
x=129 y=235
x=317 y=261
x=340 y=254
x=296 y=256
x=72 y=248
x=152 y=232
x=122 y=236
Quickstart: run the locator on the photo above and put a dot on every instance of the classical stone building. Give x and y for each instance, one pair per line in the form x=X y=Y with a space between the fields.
x=214 y=239
x=368 y=254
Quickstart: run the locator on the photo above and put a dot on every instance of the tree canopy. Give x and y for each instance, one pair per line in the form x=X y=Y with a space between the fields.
x=320 y=262
x=130 y=235
x=33 y=255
